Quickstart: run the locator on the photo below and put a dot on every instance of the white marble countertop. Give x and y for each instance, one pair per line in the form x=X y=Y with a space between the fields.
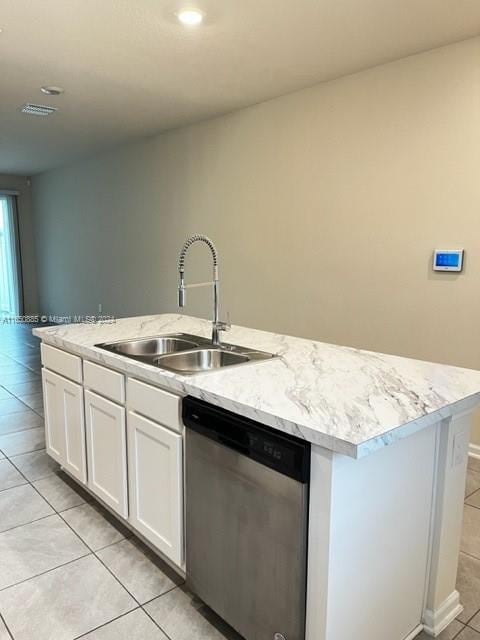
x=347 y=400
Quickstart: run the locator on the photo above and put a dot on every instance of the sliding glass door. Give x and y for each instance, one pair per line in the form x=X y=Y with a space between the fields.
x=10 y=271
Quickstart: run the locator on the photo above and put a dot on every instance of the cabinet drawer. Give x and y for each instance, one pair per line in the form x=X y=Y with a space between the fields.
x=154 y=403
x=104 y=381
x=62 y=362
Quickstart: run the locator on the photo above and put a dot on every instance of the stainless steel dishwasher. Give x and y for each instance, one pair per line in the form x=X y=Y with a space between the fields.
x=246 y=521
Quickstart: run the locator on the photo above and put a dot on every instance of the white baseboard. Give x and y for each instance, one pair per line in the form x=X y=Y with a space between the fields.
x=415 y=632
x=434 y=622
x=474 y=451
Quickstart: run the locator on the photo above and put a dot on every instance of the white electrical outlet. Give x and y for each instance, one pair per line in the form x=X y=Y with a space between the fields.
x=100 y=308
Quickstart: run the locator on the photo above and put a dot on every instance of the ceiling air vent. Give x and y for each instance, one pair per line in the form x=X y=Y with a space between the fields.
x=37 y=109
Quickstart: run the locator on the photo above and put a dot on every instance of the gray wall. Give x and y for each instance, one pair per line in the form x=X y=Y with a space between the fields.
x=27 y=245
x=325 y=205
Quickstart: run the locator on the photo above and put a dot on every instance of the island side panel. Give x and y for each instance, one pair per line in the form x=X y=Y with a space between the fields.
x=369 y=580
x=442 y=600
x=319 y=542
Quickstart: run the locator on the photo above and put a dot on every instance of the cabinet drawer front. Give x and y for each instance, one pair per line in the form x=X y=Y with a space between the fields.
x=157 y=404
x=62 y=362
x=104 y=381
x=155 y=466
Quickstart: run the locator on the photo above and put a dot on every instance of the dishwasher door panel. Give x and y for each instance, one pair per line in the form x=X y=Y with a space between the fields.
x=246 y=537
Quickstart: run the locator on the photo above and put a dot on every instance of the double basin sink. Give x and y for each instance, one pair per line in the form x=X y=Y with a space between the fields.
x=184 y=353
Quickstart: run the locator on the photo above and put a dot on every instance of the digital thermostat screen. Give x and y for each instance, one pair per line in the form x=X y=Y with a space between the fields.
x=448 y=260
x=451 y=260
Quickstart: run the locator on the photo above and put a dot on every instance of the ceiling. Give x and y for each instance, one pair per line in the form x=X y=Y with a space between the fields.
x=130 y=69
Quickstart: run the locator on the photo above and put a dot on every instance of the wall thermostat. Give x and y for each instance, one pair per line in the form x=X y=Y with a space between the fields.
x=448 y=260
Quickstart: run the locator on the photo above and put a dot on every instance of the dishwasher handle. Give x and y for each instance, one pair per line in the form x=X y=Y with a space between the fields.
x=233 y=444
x=283 y=453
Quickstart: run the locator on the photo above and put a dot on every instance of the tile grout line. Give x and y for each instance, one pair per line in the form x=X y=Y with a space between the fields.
x=2 y=619
x=13 y=413
x=15 y=466
x=470 y=555
x=467 y=624
x=43 y=573
x=17 y=526
x=9 y=456
x=468 y=495
x=11 y=460
x=153 y=619
x=106 y=623
x=11 y=433
x=177 y=586
x=471 y=505
x=22 y=484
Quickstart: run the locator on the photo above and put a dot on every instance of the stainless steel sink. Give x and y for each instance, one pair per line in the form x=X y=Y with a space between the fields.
x=148 y=348
x=200 y=360
x=184 y=353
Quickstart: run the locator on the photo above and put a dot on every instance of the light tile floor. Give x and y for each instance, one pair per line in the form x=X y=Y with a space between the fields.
x=69 y=570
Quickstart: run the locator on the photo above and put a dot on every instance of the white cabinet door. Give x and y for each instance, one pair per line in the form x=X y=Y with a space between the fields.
x=107 y=451
x=65 y=423
x=156 y=484
x=74 y=424
x=54 y=424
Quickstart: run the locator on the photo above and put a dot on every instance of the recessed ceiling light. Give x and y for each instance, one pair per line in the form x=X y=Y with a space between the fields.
x=50 y=90
x=190 y=17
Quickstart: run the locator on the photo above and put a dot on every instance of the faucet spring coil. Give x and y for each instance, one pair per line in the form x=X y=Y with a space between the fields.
x=189 y=242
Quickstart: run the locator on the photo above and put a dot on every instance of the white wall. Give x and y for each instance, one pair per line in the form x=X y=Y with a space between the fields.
x=325 y=205
x=27 y=245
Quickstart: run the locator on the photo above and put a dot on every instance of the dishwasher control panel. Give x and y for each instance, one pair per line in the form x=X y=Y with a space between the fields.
x=282 y=452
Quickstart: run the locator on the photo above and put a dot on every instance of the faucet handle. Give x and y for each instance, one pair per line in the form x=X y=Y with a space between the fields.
x=217 y=327
x=224 y=326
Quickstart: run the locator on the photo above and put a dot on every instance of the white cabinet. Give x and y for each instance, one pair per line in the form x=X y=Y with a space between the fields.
x=64 y=423
x=155 y=471
x=107 y=451
x=88 y=428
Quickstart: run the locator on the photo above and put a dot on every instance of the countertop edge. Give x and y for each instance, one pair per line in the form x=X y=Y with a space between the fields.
x=186 y=386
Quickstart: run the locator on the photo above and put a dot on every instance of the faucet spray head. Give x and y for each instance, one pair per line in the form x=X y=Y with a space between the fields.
x=181 y=296
x=182 y=292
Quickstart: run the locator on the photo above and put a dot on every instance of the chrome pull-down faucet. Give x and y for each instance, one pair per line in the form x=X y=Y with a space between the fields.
x=217 y=325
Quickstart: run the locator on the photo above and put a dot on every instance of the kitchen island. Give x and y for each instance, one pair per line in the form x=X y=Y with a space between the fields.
x=389 y=453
